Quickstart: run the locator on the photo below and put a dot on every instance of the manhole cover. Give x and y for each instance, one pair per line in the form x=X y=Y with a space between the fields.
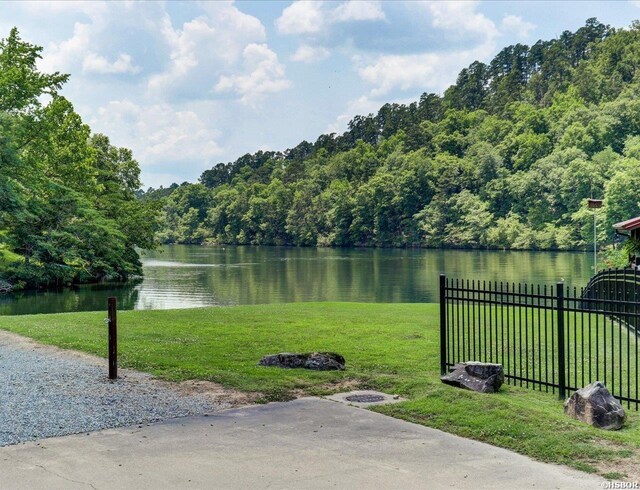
x=365 y=398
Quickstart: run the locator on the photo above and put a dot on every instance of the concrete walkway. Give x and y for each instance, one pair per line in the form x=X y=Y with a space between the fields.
x=307 y=443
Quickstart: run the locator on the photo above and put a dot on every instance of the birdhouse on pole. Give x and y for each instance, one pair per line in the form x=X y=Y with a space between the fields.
x=594 y=203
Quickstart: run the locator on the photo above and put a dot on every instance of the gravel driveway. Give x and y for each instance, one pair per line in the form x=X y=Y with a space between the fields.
x=46 y=391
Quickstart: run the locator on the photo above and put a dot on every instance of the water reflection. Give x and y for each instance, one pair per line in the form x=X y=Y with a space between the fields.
x=81 y=298
x=191 y=276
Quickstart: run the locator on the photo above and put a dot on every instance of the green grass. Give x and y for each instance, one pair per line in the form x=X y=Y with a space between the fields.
x=390 y=347
x=598 y=347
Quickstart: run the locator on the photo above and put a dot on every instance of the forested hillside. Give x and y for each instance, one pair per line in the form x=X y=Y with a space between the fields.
x=68 y=210
x=505 y=159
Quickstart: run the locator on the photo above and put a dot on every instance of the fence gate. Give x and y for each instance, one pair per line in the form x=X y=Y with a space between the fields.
x=549 y=338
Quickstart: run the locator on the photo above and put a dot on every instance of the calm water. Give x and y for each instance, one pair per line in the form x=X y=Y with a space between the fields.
x=183 y=276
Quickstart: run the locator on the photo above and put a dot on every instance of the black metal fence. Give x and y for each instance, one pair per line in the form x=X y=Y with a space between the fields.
x=615 y=284
x=550 y=338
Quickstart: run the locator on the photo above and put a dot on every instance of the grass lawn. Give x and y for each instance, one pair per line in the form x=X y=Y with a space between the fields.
x=390 y=347
x=524 y=339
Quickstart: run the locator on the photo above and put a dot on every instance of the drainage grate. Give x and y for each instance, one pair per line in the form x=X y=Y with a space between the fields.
x=365 y=398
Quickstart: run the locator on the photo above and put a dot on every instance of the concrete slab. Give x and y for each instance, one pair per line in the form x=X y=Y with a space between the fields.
x=307 y=443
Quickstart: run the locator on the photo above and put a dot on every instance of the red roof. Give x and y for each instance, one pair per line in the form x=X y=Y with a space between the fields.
x=630 y=224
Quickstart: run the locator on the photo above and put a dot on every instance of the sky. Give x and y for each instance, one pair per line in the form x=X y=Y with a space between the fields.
x=186 y=85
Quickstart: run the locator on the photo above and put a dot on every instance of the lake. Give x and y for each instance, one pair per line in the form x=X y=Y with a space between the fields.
x=186 y=276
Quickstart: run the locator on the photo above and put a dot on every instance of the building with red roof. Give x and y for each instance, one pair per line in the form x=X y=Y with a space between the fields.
x=630 y=228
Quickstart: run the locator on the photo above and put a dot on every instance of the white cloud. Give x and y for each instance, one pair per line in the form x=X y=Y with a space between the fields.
x=461 y=17
x=158 y=133
x=517 y=25
x=206 y=48
x=177 y=135
x=302 y=17
x=263 y=74
x=357 y=10
x=62 y=56
x=225 y=16
x=309 y=54
x=183 y=53
x=308 y=17
x=101 y=41
x=425 y=71
x=313 y=20
x=94 y=63
x=433 y=70
x=400 y=71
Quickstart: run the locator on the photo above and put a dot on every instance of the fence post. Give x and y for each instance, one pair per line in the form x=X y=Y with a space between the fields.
x=560 y=324
x=443 y=325
x=113 y=338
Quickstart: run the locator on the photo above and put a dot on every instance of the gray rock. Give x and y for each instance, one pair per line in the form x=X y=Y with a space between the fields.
x=319 y=361
x=595 y=406
x=482 y=377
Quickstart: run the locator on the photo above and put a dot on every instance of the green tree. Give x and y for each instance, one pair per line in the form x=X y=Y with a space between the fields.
x=504 y=159
x=621 y=196
x=68 y=211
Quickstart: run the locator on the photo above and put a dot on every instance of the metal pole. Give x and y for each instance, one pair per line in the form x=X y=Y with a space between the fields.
x=595 y=243
x=113 y=337
x=443 y=325
x=560 y=344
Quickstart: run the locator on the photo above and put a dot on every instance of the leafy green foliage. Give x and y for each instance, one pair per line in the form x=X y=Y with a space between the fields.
x=68 y=207
x=505 y=159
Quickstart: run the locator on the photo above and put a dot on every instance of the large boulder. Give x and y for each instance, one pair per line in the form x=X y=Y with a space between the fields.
x=318 y=361
x=594 y=405
x=482 y=377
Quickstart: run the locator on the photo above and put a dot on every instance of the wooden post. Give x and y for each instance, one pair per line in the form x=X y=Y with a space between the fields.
x=113 y=338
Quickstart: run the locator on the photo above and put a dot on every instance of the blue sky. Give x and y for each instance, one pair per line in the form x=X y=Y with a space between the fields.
x=188 y=84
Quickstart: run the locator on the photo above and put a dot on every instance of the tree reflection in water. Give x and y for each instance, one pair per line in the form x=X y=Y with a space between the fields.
x=182 y=276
